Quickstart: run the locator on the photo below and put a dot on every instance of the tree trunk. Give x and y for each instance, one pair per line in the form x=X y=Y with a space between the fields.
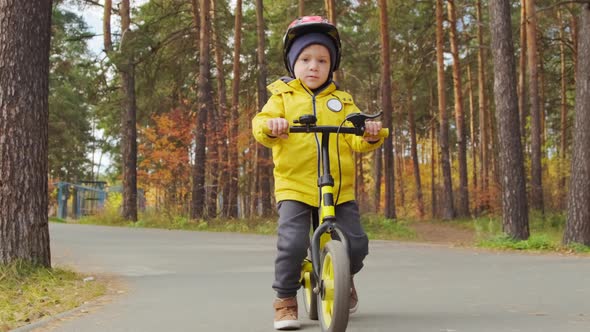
x=387 y=108
x=204 y=103
x=378 y=174
x=264 y=162
x=474 y=145
x=448 y=210
x=542 y=116
x=301 y=8
x=255 y=183
x=574 y=31
x=483 y=114
x=128 y=119
x=578 y=217
x=463 y=192
x=332 y=17
x=232 y=200
x=108 y=47
x=400 y=169
x=221 y=122
x=433 y=162
x=522 y=72
x=415 y=161
x=106 y=26
x=216 y=138
x=330 y=7
x=25 y=31
x=196 y=21
x=533 y=63
x=360 y=185
x=563 y=129
x=514 y=202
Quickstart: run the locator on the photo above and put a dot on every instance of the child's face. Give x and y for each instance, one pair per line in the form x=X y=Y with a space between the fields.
x=312 y=66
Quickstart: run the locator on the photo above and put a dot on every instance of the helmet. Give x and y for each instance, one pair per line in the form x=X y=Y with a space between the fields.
x=308 y=24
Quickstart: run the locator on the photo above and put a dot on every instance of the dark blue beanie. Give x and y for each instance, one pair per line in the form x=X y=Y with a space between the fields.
x=310 y=39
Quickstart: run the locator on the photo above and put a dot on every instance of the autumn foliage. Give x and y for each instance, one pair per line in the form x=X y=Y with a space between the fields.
x=164 y=154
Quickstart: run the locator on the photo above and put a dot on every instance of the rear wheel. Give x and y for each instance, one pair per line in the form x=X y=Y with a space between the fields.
x=334 y=296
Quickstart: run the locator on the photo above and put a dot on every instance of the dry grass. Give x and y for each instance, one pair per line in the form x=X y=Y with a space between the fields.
x=29 y=293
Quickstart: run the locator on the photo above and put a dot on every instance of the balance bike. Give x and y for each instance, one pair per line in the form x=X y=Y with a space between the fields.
x=325 y=276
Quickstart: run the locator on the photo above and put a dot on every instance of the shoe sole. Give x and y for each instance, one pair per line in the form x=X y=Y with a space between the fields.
x=287 y=325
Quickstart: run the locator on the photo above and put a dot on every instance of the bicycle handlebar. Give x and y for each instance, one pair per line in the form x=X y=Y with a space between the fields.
x=383 y=133
x=307 y=124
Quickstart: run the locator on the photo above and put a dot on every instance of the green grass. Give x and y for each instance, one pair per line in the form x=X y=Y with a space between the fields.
x=29 y=293
x=534 y=242
x=381 y=228
x=546 y=233
x=376 y=227
x=165 y=221
x=546 y=230
x=58 y=220
x=579 y=248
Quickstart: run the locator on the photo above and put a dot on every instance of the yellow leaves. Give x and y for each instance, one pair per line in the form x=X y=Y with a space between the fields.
x=163 y=150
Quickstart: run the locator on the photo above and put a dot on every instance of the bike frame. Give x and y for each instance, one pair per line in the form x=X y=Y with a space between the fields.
x=327 y=221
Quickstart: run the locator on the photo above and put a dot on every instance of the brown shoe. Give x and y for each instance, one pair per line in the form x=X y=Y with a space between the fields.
x=354 y=298
x=286 y=314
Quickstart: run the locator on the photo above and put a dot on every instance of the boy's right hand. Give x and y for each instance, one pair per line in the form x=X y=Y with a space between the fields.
x=279 y=127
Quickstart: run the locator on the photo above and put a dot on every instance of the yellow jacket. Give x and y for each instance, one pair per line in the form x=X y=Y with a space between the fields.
x=296 y=158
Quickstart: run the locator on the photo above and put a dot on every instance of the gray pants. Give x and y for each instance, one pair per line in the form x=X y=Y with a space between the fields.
x=293 y=242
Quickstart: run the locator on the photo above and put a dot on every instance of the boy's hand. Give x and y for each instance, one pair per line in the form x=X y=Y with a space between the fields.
x=279 y=127
x=372 y=131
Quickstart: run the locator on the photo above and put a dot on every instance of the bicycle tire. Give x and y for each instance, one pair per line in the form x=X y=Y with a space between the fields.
x=334 y=296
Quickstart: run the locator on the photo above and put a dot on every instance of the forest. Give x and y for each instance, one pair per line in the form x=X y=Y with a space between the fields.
x=169 y=97
x=185 y=78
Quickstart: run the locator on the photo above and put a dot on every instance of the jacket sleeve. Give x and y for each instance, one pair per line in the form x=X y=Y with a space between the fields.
x=358 y=144
x=273 y=109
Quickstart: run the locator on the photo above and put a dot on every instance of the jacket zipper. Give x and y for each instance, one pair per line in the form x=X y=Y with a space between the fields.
x=318 y=147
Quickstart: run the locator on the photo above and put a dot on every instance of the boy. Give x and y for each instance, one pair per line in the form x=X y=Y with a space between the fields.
x=311 y=51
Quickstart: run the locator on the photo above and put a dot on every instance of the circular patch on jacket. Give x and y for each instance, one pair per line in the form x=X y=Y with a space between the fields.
x=334 y=105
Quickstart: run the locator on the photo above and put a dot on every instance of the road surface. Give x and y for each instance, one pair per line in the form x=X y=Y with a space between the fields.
x=197 y=281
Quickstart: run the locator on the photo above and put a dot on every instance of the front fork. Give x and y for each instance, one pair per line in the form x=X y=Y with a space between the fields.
x=325 y=231
x=320 y=237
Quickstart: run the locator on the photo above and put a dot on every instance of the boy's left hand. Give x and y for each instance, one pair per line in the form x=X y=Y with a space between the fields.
x=372 y=129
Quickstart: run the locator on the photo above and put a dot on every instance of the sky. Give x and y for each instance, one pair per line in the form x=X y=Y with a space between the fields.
x=93 y=17
x=94 y=20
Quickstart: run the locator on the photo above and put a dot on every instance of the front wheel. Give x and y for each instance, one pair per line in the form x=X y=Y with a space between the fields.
x=334 y=295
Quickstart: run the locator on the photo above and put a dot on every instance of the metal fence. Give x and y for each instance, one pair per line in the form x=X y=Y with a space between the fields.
x=80 y=199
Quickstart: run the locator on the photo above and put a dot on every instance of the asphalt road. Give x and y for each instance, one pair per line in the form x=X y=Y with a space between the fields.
x=194 y=281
